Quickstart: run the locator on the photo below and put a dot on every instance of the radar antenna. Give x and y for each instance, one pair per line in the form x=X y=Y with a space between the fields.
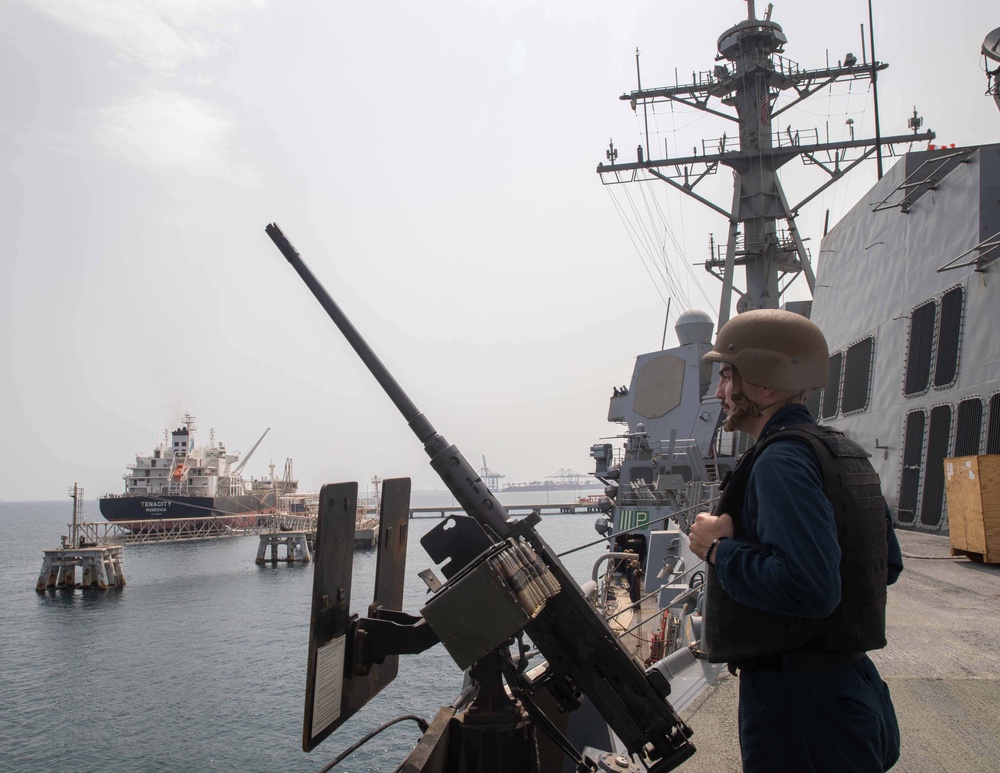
x=991 y=53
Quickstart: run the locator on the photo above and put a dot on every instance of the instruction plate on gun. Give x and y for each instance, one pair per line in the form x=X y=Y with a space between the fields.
x=329 y=682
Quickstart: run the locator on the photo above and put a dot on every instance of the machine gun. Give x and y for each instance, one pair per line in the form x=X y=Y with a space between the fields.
x=502 y=580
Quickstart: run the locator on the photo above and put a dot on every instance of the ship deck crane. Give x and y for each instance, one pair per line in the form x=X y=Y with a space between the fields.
x=247 y=457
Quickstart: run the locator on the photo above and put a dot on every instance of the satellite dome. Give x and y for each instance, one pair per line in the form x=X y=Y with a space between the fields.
x=694 y=327
x=991 y=52
x=991 y=45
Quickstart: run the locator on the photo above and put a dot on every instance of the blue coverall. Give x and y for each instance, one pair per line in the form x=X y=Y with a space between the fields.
x=785 y=559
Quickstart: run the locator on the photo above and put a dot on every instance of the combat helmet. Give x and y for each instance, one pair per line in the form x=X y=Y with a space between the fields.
x=774 y=348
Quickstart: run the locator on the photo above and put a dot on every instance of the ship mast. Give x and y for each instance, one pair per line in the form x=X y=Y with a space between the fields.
x=757 y=74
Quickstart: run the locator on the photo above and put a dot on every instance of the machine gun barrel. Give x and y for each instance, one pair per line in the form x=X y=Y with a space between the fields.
x=582 y=652
x=462 y=480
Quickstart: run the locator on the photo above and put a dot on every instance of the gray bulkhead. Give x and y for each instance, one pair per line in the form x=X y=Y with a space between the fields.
x=891 y=279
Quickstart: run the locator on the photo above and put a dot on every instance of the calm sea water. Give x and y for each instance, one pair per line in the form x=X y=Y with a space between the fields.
x=199 y=663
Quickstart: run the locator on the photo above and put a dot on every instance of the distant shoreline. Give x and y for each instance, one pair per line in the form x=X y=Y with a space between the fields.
x=551 y=487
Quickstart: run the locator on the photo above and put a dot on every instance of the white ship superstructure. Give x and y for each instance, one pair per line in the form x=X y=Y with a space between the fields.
x=179 y=479
x=178 y=467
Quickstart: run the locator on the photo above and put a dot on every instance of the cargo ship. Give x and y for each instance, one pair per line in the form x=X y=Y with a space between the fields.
x=180 y=479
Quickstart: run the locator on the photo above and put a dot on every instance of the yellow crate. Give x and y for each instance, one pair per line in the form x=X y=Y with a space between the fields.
x=972 y=484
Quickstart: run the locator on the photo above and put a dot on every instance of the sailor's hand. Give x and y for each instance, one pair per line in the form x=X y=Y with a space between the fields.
x=707 y=528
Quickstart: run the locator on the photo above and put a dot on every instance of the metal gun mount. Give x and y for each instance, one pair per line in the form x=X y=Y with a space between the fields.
x=491 y=558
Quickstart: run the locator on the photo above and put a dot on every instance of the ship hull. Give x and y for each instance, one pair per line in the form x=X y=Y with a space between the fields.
x=146 y=508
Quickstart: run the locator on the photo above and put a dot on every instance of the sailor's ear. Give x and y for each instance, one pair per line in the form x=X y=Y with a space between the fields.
x=770 y=393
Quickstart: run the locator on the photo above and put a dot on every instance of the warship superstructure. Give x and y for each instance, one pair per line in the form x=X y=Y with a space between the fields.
x=903 y=291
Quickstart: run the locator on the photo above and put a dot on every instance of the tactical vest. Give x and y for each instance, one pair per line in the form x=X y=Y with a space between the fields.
x=735 y=632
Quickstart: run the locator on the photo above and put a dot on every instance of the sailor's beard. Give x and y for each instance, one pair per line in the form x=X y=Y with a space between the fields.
x=741 y=409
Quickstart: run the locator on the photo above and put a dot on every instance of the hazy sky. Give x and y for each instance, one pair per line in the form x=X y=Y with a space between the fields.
x=433 y=162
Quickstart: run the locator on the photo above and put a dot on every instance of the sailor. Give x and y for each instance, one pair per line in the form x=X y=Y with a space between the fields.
x=799 y=552
x=635 y=582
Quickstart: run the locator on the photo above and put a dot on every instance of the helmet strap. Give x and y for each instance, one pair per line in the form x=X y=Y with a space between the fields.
x=742 y=407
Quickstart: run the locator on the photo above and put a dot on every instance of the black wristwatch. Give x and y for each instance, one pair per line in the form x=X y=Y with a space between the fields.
x=711 y=550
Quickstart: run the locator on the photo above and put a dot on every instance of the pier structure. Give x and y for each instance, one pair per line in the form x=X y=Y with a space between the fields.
x=190 y=529
x=101 y=565
x=217 y=527
x=300 y=541
x=101 y=568
x=298 y=546
x=96 y=546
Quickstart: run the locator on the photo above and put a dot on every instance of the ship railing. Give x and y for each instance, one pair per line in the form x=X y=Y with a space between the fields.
x=855 y=70
x=707 y=79
x=731 y=444
x=682 y=452
x=307 y=504
x=658 y=448
x=300 y=503
x=781 y=240
x=681 y=455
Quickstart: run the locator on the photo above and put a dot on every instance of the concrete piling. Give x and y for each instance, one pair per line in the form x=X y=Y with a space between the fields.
x=101 y=564
x=297 y=548
x=101 y=567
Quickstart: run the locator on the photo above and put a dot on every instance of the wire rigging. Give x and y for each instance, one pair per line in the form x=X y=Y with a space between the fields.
x=650 y=204
x=632 y=237
x=666 y=220
x=679 y=251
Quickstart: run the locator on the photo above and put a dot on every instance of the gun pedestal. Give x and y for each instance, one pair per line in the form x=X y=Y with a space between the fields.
x=496 y=734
